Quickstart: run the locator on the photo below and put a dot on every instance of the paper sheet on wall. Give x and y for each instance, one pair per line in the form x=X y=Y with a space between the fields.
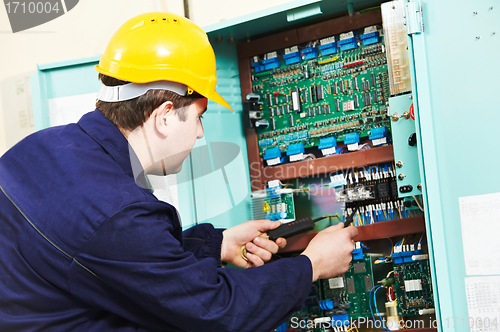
x=70 y=109
x=483 y=303
x=480 y=219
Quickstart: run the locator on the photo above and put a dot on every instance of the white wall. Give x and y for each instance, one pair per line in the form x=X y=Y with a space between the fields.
x=84 y=31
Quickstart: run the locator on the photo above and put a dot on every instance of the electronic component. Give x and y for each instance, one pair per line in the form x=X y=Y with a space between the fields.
x=296 y=101
x=353 y=291
x=278 y=203
x=413 y=287
x=322 y=87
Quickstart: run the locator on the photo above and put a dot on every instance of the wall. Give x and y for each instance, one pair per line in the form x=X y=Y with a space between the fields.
x=84 y=31
x=205 y=12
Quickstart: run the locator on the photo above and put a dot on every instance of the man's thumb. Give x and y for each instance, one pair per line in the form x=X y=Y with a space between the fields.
x=267 y=225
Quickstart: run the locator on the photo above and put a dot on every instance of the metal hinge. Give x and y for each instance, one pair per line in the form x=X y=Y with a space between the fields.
x=414 y=18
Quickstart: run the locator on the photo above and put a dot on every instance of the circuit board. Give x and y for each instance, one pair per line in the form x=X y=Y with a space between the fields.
x=308 y=313
x=280 y=207
x=351 y=294
x=318 y=96
x=413 y=287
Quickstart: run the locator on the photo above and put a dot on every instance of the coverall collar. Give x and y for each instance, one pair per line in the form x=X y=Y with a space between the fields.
x=110 y=138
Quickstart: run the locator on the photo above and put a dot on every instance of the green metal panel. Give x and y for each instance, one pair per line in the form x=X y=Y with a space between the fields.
x=61 y=79
x=221 y=185
x=430 y=243
x=456 y=100
x=403 y=152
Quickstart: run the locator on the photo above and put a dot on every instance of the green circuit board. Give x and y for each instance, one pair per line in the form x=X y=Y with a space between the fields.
x=413 y=287
x=309 y=312
x=325 y=96
x=281 y=203
x=353 y=290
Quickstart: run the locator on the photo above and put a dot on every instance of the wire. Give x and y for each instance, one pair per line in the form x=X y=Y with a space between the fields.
x=326 y=216
x=310 y=155
x=418 y=204
x=376 y=307
x=370 y=302
x=400 y=214
x=392 y=244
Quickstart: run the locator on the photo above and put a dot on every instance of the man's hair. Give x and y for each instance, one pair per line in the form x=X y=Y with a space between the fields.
x=130 y=114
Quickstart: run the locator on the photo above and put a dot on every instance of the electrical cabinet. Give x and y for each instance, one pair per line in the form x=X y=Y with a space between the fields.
x=430 y=142
x=440 y=127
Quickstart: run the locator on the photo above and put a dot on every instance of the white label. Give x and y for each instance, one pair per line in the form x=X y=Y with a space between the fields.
x=303 y=115
x=291 y=49
x=338 y=180
x=346 y=35
x=271 y=55
x=321 y=320
x=352 y=147
x=483 y=295
x=480 y=218
x=329 y=151
x=379 y=141
x=328 y=40
x=295 y=101
x=336 y=282
x=255 y=59
x=297 y=157
x=273 y=183
x=373 y=28
x=272 y=162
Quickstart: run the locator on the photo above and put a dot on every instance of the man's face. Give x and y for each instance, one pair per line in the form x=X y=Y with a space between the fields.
x=182 y=135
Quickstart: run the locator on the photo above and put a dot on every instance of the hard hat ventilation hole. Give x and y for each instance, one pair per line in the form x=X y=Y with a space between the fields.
x=164 y=19
x=176 y=20
x=153 y=20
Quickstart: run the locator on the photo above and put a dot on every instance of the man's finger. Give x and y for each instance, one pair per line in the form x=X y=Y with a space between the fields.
x=255 y=260
x=265 y=225
x=340 y=225
x=281 y=242
x=353 y=231
x=266 y=244
x=253 y=249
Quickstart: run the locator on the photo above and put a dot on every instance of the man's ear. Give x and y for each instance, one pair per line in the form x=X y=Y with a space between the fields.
x=161 y=115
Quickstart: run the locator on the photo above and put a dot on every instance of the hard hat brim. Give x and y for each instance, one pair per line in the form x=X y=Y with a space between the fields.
x=217 y=98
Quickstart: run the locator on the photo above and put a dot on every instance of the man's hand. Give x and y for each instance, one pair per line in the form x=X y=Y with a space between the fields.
x=248 y=234
x=330 y=251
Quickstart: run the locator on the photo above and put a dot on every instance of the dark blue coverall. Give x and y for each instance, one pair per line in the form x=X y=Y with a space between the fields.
x=84 y=248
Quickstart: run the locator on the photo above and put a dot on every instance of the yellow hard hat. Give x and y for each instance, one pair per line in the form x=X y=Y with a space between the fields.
x=162 y=46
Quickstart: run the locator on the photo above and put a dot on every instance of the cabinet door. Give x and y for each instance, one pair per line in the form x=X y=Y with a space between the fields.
x=219 y=160
x=456 y=87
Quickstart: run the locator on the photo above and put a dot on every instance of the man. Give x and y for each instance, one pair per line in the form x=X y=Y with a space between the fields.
x=85 y=246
